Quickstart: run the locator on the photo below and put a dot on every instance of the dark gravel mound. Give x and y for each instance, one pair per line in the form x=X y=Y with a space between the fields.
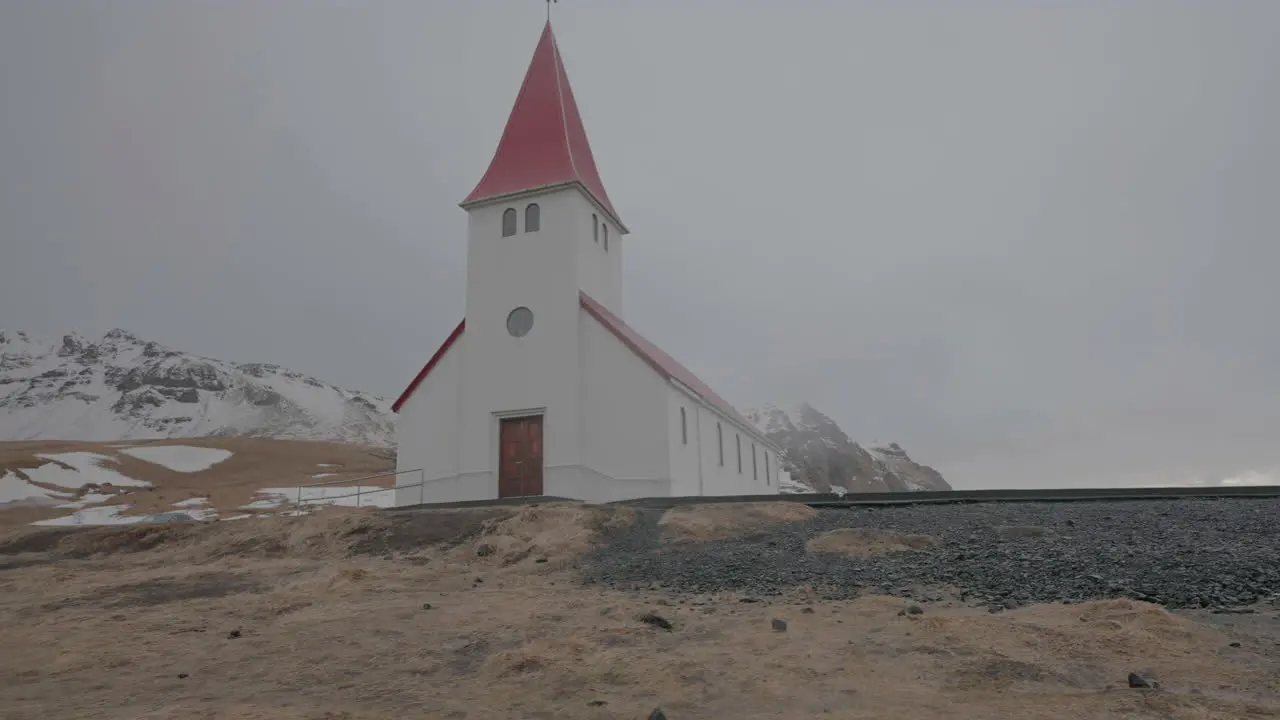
x=1212 y=553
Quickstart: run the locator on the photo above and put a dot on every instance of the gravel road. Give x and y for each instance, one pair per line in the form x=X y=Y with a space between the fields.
x=1187 y=553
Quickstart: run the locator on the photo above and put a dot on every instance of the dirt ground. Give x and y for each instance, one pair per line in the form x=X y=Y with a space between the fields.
x=255 y=464
x=699 y=523
x=478 y=614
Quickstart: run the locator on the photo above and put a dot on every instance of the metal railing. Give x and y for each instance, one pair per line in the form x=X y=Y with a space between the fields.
x=360 y=491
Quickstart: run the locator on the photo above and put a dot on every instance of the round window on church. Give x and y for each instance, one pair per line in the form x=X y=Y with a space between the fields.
x=520 y=321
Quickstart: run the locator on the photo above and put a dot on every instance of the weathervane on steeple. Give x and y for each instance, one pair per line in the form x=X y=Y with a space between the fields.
x=549 y=9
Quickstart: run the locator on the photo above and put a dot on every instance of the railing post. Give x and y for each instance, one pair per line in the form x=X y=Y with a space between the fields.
x=298 y=508
x=422 y=486
x=357 y=496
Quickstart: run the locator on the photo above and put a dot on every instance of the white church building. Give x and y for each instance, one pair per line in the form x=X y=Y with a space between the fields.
x=543 y=388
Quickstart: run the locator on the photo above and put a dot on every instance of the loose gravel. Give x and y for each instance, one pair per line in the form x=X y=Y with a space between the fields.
x=1184 y=553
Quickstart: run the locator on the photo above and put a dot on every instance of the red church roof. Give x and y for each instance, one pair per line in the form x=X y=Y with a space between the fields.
x=426 y=369
x=662 y=363
x=544 y=143
x=666 y=365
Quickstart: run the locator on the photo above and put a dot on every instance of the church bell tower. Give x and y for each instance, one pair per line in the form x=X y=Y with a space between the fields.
x=541 y=230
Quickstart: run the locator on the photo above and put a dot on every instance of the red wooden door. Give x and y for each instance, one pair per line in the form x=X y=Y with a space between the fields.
x=520 y=457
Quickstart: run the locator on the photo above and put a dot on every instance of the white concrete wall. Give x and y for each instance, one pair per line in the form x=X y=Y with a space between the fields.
x=684 y=446
x=427 y=427
x=696 y=468
x=586 y=484
x=624 y=429
x=538 y=372
x=599 y=269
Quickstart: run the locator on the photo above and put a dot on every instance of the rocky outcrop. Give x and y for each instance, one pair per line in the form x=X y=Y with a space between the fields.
x=817 y=453
x=122 y=387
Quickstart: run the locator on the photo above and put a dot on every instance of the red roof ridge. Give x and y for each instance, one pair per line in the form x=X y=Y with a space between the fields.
x=426 y=369
x=544 y=143
x=659 y=361
x=663 y=363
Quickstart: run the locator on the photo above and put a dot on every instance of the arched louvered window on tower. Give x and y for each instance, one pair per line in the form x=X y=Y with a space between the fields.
x=532 y=218
x=604 y=229
x=595 y=228
x=508 y=222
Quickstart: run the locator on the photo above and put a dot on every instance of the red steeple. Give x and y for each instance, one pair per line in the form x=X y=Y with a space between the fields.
x=544 y=143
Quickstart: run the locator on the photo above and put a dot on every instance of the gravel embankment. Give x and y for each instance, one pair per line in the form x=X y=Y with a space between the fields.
x=1179 y=553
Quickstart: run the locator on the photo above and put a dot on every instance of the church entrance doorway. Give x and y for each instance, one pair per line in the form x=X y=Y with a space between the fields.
x=520 y=457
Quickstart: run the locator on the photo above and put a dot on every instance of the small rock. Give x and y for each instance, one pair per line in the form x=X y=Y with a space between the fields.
x=233 y=634
x=663 y=601
x=1137 y=681
x=426 y=606
x=807 y=610
x=183 y=676
x=748 y=600
x=540 y=560
x=656 y=621
x=597 y=703
x=657 y=714
x=484 y=550
x=1010 y=603
x=479 y=580
x=1235 y=644
x=915 y=610
x=779 y=625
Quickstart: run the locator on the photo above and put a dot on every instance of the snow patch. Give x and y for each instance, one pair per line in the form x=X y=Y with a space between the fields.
x=325 y=465
x=87 y=469
x=109 y=515
x=15 y=489
x=317 y=476
x=192 y=502
x=180 y=458
x=330 y=495
x=790 y=486
x=85 y=501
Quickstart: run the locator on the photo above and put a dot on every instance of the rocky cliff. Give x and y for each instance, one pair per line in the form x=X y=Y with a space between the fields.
x=121 y=387
x=817 y=453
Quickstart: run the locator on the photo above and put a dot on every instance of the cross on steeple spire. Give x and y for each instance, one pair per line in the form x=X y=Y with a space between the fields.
x=549 y=9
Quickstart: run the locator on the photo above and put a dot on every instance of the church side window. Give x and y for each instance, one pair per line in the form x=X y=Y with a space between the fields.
x=532 y=218
x=738 y=441
x=604 y=230
x=755 y=473
x=595 y=228
x=767 y=479
x=684 y=428
x=508 y=222
x=720 y=442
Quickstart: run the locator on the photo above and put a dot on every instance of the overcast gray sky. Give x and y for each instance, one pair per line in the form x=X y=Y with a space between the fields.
x=1035 y=242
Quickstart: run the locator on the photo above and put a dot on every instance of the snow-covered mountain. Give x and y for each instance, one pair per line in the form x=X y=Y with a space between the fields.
x=817 y=454
x=124 y=388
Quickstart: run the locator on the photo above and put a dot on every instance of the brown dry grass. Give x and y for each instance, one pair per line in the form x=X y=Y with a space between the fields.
x=255 y=464
x=865 y=542
x=695 y=523
x=333 y=621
